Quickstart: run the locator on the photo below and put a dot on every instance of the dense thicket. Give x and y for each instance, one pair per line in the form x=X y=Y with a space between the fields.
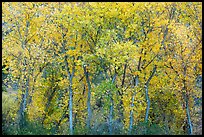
x=101 y=68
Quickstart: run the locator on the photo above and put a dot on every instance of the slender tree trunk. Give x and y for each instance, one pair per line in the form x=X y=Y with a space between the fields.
x=121 y=107
x=189 y=127
x=136 y=82
x=147 y=95
x=22 y=109
x=131 y=113
x=25 y=86
x=148 y=103
x=186 y=98
x=124 y=73
x=111 y=109
x=70 y=78
x=89 y=98
x=23 y=104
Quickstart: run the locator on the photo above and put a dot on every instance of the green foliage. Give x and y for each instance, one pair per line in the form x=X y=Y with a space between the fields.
x=9 y=112
x=34 y=128
x=148 y=129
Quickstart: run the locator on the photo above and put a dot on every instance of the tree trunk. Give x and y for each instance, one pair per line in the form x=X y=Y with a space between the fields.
x=23 y=104
x=186 y=99
x=70 y=78
x=89 y=98
x=111 y=109
x=120 y=106
x=148 y=104
x=136 y=82
x=190 y=127
x=131 y=113
x=25 y=88
x=147 y=95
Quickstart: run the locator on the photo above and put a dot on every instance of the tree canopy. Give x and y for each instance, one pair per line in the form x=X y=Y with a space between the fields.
x=102 y=67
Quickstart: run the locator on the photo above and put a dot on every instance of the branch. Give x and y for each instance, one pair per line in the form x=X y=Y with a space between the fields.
x=154 y=70
x=150 y=62
x=124 y=72
x=174 y=69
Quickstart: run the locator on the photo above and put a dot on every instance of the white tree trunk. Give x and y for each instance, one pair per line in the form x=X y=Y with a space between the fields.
x=89 y=98
x=132 y=105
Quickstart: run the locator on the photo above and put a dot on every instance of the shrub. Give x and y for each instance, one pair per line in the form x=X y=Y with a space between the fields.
x=9 y=114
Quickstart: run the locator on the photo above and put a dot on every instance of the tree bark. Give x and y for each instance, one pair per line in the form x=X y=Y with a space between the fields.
x=186 y=99
x=23 y=104
x=136 y=82
x=148 y=104
x=111 y=109
x=89 y=98
x=131 y=113
x=189 y=126
x=25 y=88
x=147 y=95
x=70 y=78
